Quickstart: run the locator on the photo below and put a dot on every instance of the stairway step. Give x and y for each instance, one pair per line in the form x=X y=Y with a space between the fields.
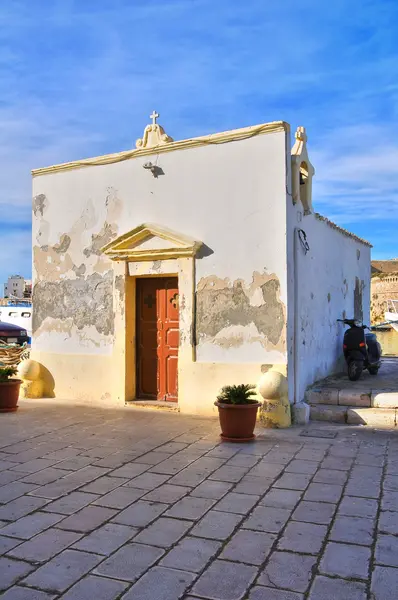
x=352 y=397
x=354 y=415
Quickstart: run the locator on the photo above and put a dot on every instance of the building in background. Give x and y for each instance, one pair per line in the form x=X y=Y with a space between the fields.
x=18 y=287
x=170 y=270
x=384 y=287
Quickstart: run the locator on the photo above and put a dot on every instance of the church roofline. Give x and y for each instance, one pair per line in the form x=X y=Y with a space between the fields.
x=214 y=138
x=342 y=230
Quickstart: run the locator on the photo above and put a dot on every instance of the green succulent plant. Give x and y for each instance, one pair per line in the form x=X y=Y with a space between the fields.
x=6 y=373
x=238 y=394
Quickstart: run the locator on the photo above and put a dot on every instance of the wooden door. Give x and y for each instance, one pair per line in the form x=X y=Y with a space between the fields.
x=157 y=338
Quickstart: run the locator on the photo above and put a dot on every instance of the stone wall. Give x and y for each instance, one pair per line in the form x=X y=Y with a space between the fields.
x=384 y=286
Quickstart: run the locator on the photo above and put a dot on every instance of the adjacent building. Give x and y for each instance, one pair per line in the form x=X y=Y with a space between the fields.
x=165 y=272
x=18 y=287
x=384 y=288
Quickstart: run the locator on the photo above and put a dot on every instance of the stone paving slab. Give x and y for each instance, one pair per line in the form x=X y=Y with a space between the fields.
x=122 y=505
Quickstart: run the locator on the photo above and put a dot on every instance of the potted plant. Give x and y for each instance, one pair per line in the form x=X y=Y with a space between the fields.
x=9 y=389
x=237 y=410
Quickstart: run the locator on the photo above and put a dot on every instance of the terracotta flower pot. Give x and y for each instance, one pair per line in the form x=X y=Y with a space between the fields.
x=9 y=393
x=237 y=421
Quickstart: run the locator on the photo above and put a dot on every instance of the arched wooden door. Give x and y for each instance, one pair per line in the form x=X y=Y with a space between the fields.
x=157 y=338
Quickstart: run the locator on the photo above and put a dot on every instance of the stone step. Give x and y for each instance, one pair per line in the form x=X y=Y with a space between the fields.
x=354 y=415
x=352 y=397
x=153 y=405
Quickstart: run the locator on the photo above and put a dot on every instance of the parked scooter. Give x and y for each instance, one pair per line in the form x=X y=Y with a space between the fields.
x=361 y=351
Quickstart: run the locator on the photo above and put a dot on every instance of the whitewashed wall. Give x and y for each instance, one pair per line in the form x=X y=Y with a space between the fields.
x=326 y=279
x=230 y=196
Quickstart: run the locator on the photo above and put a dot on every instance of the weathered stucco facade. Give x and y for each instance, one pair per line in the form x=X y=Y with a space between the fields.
x=216 y=212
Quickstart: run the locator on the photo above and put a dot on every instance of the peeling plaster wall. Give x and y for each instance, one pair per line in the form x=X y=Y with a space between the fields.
x=333 y=283
x=231 y=196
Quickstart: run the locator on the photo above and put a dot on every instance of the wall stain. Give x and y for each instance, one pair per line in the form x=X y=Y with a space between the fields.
x=40 y=203
x=79 y=271
x=99 y=240
x=87 y=302
x=221 y=305
x=358 y=306
x=120 y=286
x=63 y=245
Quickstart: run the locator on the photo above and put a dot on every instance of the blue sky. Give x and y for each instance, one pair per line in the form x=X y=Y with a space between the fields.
x=79 y=78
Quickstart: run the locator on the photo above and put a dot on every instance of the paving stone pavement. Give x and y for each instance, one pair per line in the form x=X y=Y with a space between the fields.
x=111 y=504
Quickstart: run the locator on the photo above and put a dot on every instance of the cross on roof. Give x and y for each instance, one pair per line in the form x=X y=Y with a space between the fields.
x=154 y=116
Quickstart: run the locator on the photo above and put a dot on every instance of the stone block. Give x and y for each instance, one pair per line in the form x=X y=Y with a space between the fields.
x=293 y=481
x=103 y=485
x=327 y=412
x=390 y=501
x=358 y=507
x=314 y=512
x=254 y=485
x=331 y=476
x=191 y=554
x=87 y=519
x=384 y=583
x=323 y=492
x=45 y=545
x=212 y=489
x=354 y=530
x=229 y=474
x=31 y=525
x=374 y=417
x=337 y=589
x=147 y=481
x=106 y=539
x=12 y=571
x=167 y=493
x=22 y=593
x=322 y=396
x=281 y=498
x=387 y=550
x=383 y=399
x=63 y=571
x=270 y=520
x=130 y=562
x=300 y=413
x=7 y=544
x=190 y=508
x=11 y=490
x=305 y=467
x=350 y=397
x=240 y=504
x=163 y=532
x=250 y=547
x=266 y=593
x=99 y=588
x=140 y=514
x=160 y=583
x=345 y=560
x=71 y=503
x=20 y=507
x=225 y=581
x=303 y=537
x=217 y=525
x=120 y=498
x=289 y=571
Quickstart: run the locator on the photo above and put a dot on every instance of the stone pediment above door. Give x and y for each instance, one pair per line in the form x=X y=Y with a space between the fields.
x=151 y=242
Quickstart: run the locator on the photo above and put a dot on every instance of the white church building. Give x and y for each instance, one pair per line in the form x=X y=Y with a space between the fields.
x=165 y=272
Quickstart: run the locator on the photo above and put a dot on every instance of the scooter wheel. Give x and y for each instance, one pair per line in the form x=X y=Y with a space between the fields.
x=373 y=370
x=355 y=369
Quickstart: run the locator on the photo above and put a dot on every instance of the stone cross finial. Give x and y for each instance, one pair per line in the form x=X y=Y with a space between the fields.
x=154 y=116
x=154 y=134
x=301 y=134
